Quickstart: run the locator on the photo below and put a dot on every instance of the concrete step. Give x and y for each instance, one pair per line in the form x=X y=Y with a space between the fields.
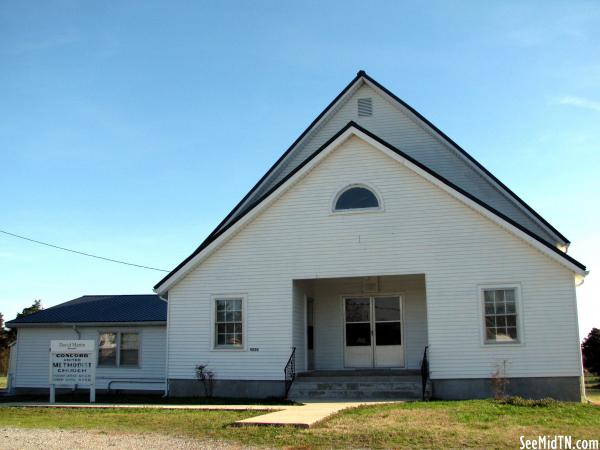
x=357 y=386
x=354 y=395
x=360 y=379
x=354 y=389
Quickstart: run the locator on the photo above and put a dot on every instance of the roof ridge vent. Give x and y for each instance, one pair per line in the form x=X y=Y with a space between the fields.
x=365 y=107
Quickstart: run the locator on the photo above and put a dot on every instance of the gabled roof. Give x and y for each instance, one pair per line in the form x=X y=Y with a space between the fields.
x=447 y=160
x=100 y=309
x=353 y=129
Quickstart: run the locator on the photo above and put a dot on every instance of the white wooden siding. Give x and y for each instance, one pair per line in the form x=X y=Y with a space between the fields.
x=298 y=327
x=32 y=357
x=423 y=230
x=396 y=127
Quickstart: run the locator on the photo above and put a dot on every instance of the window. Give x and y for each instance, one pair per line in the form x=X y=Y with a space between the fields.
x=129 y=349
x=118 y=349
x=500 y=315
x=107 y=349
x=356 y=197
x=229 y=323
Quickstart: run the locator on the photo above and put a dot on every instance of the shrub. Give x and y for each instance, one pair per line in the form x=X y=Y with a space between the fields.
x=520 y=401
x=206 y=377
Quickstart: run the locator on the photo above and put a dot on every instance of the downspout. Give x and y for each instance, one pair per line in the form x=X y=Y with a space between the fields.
x=165 y=297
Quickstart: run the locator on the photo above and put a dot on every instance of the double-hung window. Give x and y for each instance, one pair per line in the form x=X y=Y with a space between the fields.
x=119 y=349
x=501 y=314
x=229 y=322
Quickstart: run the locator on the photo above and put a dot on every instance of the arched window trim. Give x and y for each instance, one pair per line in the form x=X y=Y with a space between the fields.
x=374 y=191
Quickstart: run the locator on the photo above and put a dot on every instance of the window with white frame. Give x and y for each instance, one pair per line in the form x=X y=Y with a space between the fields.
x=119 y=349
x=229 y=322
x=500 y=311
x=356 y=197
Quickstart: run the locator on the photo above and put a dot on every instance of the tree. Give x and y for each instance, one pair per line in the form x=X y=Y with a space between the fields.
x=3 y=333
x=590 y=348
x=10 y=335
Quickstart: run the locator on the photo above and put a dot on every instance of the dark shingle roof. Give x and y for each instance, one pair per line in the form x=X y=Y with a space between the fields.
x=101 y=308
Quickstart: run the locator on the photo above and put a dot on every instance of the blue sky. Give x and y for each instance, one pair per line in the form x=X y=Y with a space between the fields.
x=130 y=129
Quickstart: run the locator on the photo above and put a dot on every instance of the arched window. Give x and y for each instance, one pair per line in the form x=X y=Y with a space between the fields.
x=356 y=197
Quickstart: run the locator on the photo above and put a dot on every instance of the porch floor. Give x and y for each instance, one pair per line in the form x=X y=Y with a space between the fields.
x=359 y=373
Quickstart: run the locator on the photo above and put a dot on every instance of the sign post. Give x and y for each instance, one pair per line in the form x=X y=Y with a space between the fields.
x=72 y=363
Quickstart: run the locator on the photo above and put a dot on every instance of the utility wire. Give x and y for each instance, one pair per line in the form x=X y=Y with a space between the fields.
x=81 y=253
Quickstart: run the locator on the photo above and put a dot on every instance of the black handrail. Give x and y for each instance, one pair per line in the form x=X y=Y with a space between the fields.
x=424 y=371
x=289 y=372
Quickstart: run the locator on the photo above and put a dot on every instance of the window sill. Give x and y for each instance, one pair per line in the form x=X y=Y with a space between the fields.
x=344 y=212
x=502 y=344
x=119 y=367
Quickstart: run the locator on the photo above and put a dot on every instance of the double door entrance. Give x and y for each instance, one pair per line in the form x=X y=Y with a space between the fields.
x=373 y=331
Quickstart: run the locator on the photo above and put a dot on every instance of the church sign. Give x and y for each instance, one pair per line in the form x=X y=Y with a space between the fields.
x=72 y=363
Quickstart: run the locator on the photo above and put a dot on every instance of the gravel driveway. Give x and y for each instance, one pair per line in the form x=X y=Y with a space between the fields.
x=21 y=438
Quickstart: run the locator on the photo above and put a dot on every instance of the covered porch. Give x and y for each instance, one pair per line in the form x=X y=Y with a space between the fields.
x=359 y=324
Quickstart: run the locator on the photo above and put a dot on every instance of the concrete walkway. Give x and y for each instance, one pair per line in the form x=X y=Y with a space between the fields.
x=304 y=415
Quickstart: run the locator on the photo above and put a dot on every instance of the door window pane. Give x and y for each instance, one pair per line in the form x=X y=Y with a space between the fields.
x=130 y=347
x=388 y=333
x=358 y=334
x=358 y=309
x=387 y=308
x=107 y=349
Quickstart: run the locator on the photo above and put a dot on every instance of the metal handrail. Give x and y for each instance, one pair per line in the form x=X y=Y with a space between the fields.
x=289 y=371
x=131 y=381
x=424 y=372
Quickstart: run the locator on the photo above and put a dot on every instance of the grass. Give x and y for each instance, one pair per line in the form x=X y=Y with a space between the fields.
x=477 y=423
x=592 y=388
x=2 y=381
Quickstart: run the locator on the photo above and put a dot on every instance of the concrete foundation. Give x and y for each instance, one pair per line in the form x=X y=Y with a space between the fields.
x=560 y=388
x=84 y=390
x=228 y=388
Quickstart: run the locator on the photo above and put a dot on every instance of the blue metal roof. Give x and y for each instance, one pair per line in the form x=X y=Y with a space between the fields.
x=101 y=308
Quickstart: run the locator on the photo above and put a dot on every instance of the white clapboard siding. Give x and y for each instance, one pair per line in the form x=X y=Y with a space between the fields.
x=298 y=327
x=422 y=230
x=391 y=123
x=32 y=357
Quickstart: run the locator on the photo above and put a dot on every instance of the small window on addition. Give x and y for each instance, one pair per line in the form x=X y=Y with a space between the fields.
x=118 y=349
x=500 y=315
x=107 y=349
x=356 y=197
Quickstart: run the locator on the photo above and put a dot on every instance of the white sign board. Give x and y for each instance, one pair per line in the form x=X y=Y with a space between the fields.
x=72 y=363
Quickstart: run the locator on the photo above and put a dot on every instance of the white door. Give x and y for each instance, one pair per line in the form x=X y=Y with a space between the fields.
x=373 y=332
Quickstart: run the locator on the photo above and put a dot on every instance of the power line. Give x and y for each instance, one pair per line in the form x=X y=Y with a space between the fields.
x=81 y=253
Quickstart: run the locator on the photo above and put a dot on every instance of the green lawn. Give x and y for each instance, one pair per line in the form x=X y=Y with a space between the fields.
x=477 y=423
